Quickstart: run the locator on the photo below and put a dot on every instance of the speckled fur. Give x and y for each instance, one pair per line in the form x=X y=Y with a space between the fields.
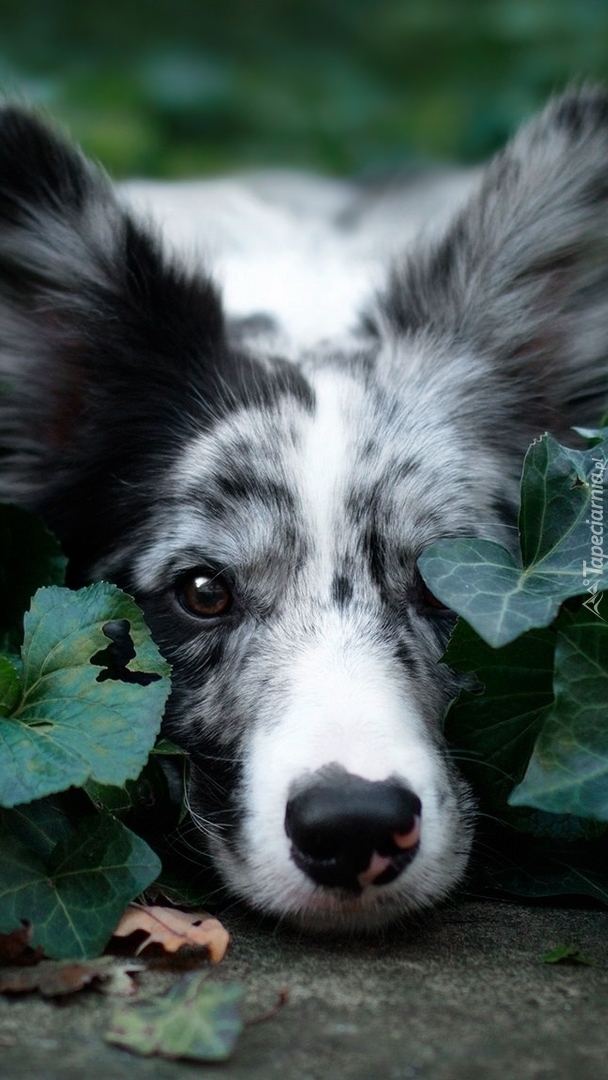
x=357 y=395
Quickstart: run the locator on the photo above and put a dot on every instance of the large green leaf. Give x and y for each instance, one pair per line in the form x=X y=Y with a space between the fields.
x=516 y=718
x=93 y=688
x=568 y=770
x=195 y=1019
x=555 y=495
x=10 y=686
x=74 y=894
x=492 y=728
x=42 y=824
x=502 y=596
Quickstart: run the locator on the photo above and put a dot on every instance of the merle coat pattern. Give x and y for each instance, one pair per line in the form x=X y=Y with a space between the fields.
x=262 y=469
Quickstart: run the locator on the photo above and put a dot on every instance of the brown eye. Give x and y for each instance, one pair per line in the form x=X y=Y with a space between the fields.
x=205 y=596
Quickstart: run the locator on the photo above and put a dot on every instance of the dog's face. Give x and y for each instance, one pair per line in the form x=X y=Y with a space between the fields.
x=268 y=516
x=278 y=570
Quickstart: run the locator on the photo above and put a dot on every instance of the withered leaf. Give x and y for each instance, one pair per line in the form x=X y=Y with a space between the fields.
x=173 y=929
x=15 y=947
x=55 y=978
x=194 y=1019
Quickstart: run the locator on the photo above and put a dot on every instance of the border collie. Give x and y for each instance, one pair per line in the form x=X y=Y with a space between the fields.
x=253 y=403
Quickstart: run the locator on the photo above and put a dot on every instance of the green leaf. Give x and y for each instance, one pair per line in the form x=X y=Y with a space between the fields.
x=559 y=829
x=484 y=584
x=554 y=498
x=568 y=770
x=195 y=1019
x=595 y=435
x=525 y=866
x=565 y=953
x=178 y=886
x=30 y=557
x=93 y=690
x=168 y=748
x=502 y=596
x=493 y=730
x=42 y=824
x=10 y=686
x=149 y=792
x=118 y=800
x=74 y=896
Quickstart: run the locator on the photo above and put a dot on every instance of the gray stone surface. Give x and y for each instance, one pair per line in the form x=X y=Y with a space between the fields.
x=463 y=995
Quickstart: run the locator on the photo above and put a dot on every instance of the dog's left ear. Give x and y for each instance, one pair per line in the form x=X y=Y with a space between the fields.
x=100 y=334
x=519 y=283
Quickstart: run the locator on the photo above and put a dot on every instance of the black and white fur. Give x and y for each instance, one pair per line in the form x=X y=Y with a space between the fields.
x=285 y=453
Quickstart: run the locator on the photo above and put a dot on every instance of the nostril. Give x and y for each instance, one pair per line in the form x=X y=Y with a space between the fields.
x=350 y=832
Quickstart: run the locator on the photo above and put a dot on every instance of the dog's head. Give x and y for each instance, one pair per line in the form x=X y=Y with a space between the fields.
x=268 y=516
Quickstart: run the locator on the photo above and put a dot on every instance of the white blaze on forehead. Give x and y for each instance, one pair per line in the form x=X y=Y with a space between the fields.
x=324 y=462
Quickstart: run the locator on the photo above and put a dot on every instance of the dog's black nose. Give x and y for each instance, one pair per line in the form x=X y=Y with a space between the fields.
x=350 y=832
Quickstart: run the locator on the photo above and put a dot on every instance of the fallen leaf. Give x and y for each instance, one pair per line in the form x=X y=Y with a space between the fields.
x=119 y=981
x=15 y=947
x=195 y=1019
x=51 y=978
x=565 y=954
x=55 y=978
x=174 y=929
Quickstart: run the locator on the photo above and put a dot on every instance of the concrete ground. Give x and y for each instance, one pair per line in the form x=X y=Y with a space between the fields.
x=462 y=996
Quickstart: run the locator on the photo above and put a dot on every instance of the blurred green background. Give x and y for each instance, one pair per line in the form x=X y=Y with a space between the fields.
x=180 y=87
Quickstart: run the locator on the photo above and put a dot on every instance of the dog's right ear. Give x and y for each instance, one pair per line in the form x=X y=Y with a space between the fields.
x=516 y=290
x=97 y=326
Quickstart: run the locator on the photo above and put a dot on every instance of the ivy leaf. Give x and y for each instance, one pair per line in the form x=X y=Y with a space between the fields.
x=568 y=770
x=555 y=496
x=10 y=686
x=492 y=729
x=195 y=1019
x=30 y=557
x=502 y=596
x=526 y=866
x=40 y=825
x=596 y=434
x=73 y=896
x=147 y=794
x=93 y=688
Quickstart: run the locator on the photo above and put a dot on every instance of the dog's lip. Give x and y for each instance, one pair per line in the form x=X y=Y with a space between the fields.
x=337 y=902
x=338 y=910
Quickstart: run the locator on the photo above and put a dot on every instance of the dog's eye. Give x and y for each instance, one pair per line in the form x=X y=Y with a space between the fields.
x=204 y=595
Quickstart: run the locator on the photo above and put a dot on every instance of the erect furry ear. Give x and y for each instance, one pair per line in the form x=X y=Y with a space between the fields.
x=94 y=320
x=521 y=276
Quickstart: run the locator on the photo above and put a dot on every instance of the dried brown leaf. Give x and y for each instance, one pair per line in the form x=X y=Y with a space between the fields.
x=55 y=978
x=15 y=947
x=173 y=929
